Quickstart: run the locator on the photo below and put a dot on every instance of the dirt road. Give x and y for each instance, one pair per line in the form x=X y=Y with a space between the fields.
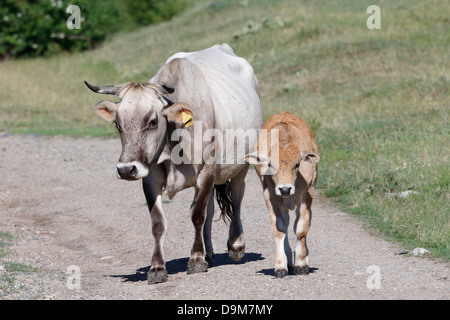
x=61 y=199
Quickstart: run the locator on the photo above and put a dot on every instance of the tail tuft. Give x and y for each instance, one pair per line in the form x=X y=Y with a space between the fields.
x=223 y=197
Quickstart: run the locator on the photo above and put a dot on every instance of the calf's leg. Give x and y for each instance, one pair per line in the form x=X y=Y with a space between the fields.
x=301 y=228
x=279 y=221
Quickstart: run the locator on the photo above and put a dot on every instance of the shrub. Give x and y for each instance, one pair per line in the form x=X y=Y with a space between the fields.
x=147 y=12
x=31 y=28
x=37 y=27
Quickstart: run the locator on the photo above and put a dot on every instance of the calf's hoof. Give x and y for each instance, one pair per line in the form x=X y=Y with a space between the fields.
x=236 y=253
x=281 y=273
x=157 y=275
x=197 y=265
x=301 y=270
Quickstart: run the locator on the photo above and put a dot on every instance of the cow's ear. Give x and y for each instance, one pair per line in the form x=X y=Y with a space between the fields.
x=107 y=110
x=181 y=113
x=310 y=157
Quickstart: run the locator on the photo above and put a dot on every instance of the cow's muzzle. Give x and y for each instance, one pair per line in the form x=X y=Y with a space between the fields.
x=131 y=170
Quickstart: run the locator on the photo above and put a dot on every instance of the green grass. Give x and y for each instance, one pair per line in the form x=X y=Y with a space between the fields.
x=5 y=241
x=378 y=100
x=10 y=268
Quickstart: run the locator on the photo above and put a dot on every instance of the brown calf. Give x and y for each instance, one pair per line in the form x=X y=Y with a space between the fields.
x=287 y=167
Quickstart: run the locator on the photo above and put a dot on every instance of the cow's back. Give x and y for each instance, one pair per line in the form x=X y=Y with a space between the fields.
x=231 y=84
x=221 y=59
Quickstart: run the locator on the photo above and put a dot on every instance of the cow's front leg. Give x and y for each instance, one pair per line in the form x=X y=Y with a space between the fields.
x=301 y=228
x=279 y=221
x=153 y=191
x=197 y=262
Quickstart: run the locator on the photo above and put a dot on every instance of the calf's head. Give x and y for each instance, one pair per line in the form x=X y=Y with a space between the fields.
x=283 y=165
x=141 y=117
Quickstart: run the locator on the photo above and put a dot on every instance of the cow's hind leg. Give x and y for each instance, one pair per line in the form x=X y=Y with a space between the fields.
x=236 y=242
x=301 y=228
x=207 y=230
x=153 y=191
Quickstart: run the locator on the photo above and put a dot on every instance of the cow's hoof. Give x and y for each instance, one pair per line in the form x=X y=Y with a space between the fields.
x=197 y=265
x=281 y=273
x=157 y=275
x=301 y=270
x=210 y=261
x=236 y=253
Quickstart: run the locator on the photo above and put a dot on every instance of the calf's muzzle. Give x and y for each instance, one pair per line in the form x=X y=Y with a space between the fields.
x=285 y=191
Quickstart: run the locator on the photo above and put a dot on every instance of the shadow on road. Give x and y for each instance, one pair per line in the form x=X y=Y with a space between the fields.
x=270 y=272
x=180 y=265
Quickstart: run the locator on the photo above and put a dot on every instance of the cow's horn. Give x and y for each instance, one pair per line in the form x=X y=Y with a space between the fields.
x=104 y=89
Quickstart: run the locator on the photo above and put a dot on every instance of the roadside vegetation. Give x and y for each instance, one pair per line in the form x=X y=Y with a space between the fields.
x=47 y=27
x=378 y=100
x=9 y=269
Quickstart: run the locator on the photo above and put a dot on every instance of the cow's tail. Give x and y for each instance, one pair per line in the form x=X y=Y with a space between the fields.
x=223 y=197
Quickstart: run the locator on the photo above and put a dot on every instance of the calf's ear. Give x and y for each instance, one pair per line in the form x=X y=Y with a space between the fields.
x=310 y=157
x=267 y=168
x=256 y=158
x=181 y=113
x=107 y=110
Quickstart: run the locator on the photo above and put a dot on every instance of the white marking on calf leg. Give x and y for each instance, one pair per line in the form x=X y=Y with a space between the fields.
x=301 y=228
x=279 y=221
x=280 y=254
x=283 y=254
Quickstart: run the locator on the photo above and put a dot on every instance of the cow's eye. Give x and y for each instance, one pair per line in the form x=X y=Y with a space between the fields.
x=153 y=124
x=118 y=127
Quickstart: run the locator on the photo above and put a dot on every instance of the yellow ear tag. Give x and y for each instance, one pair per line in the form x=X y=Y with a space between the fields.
x=187 y=119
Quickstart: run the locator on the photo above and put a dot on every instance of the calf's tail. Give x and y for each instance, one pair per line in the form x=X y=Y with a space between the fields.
x=223 y=197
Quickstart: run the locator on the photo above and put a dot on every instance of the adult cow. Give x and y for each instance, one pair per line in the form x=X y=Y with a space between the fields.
x=286 y=163
x=192 y=93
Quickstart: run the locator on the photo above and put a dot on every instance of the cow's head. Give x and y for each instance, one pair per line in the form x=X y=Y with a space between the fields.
x=283 y=165
x=141 y=117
